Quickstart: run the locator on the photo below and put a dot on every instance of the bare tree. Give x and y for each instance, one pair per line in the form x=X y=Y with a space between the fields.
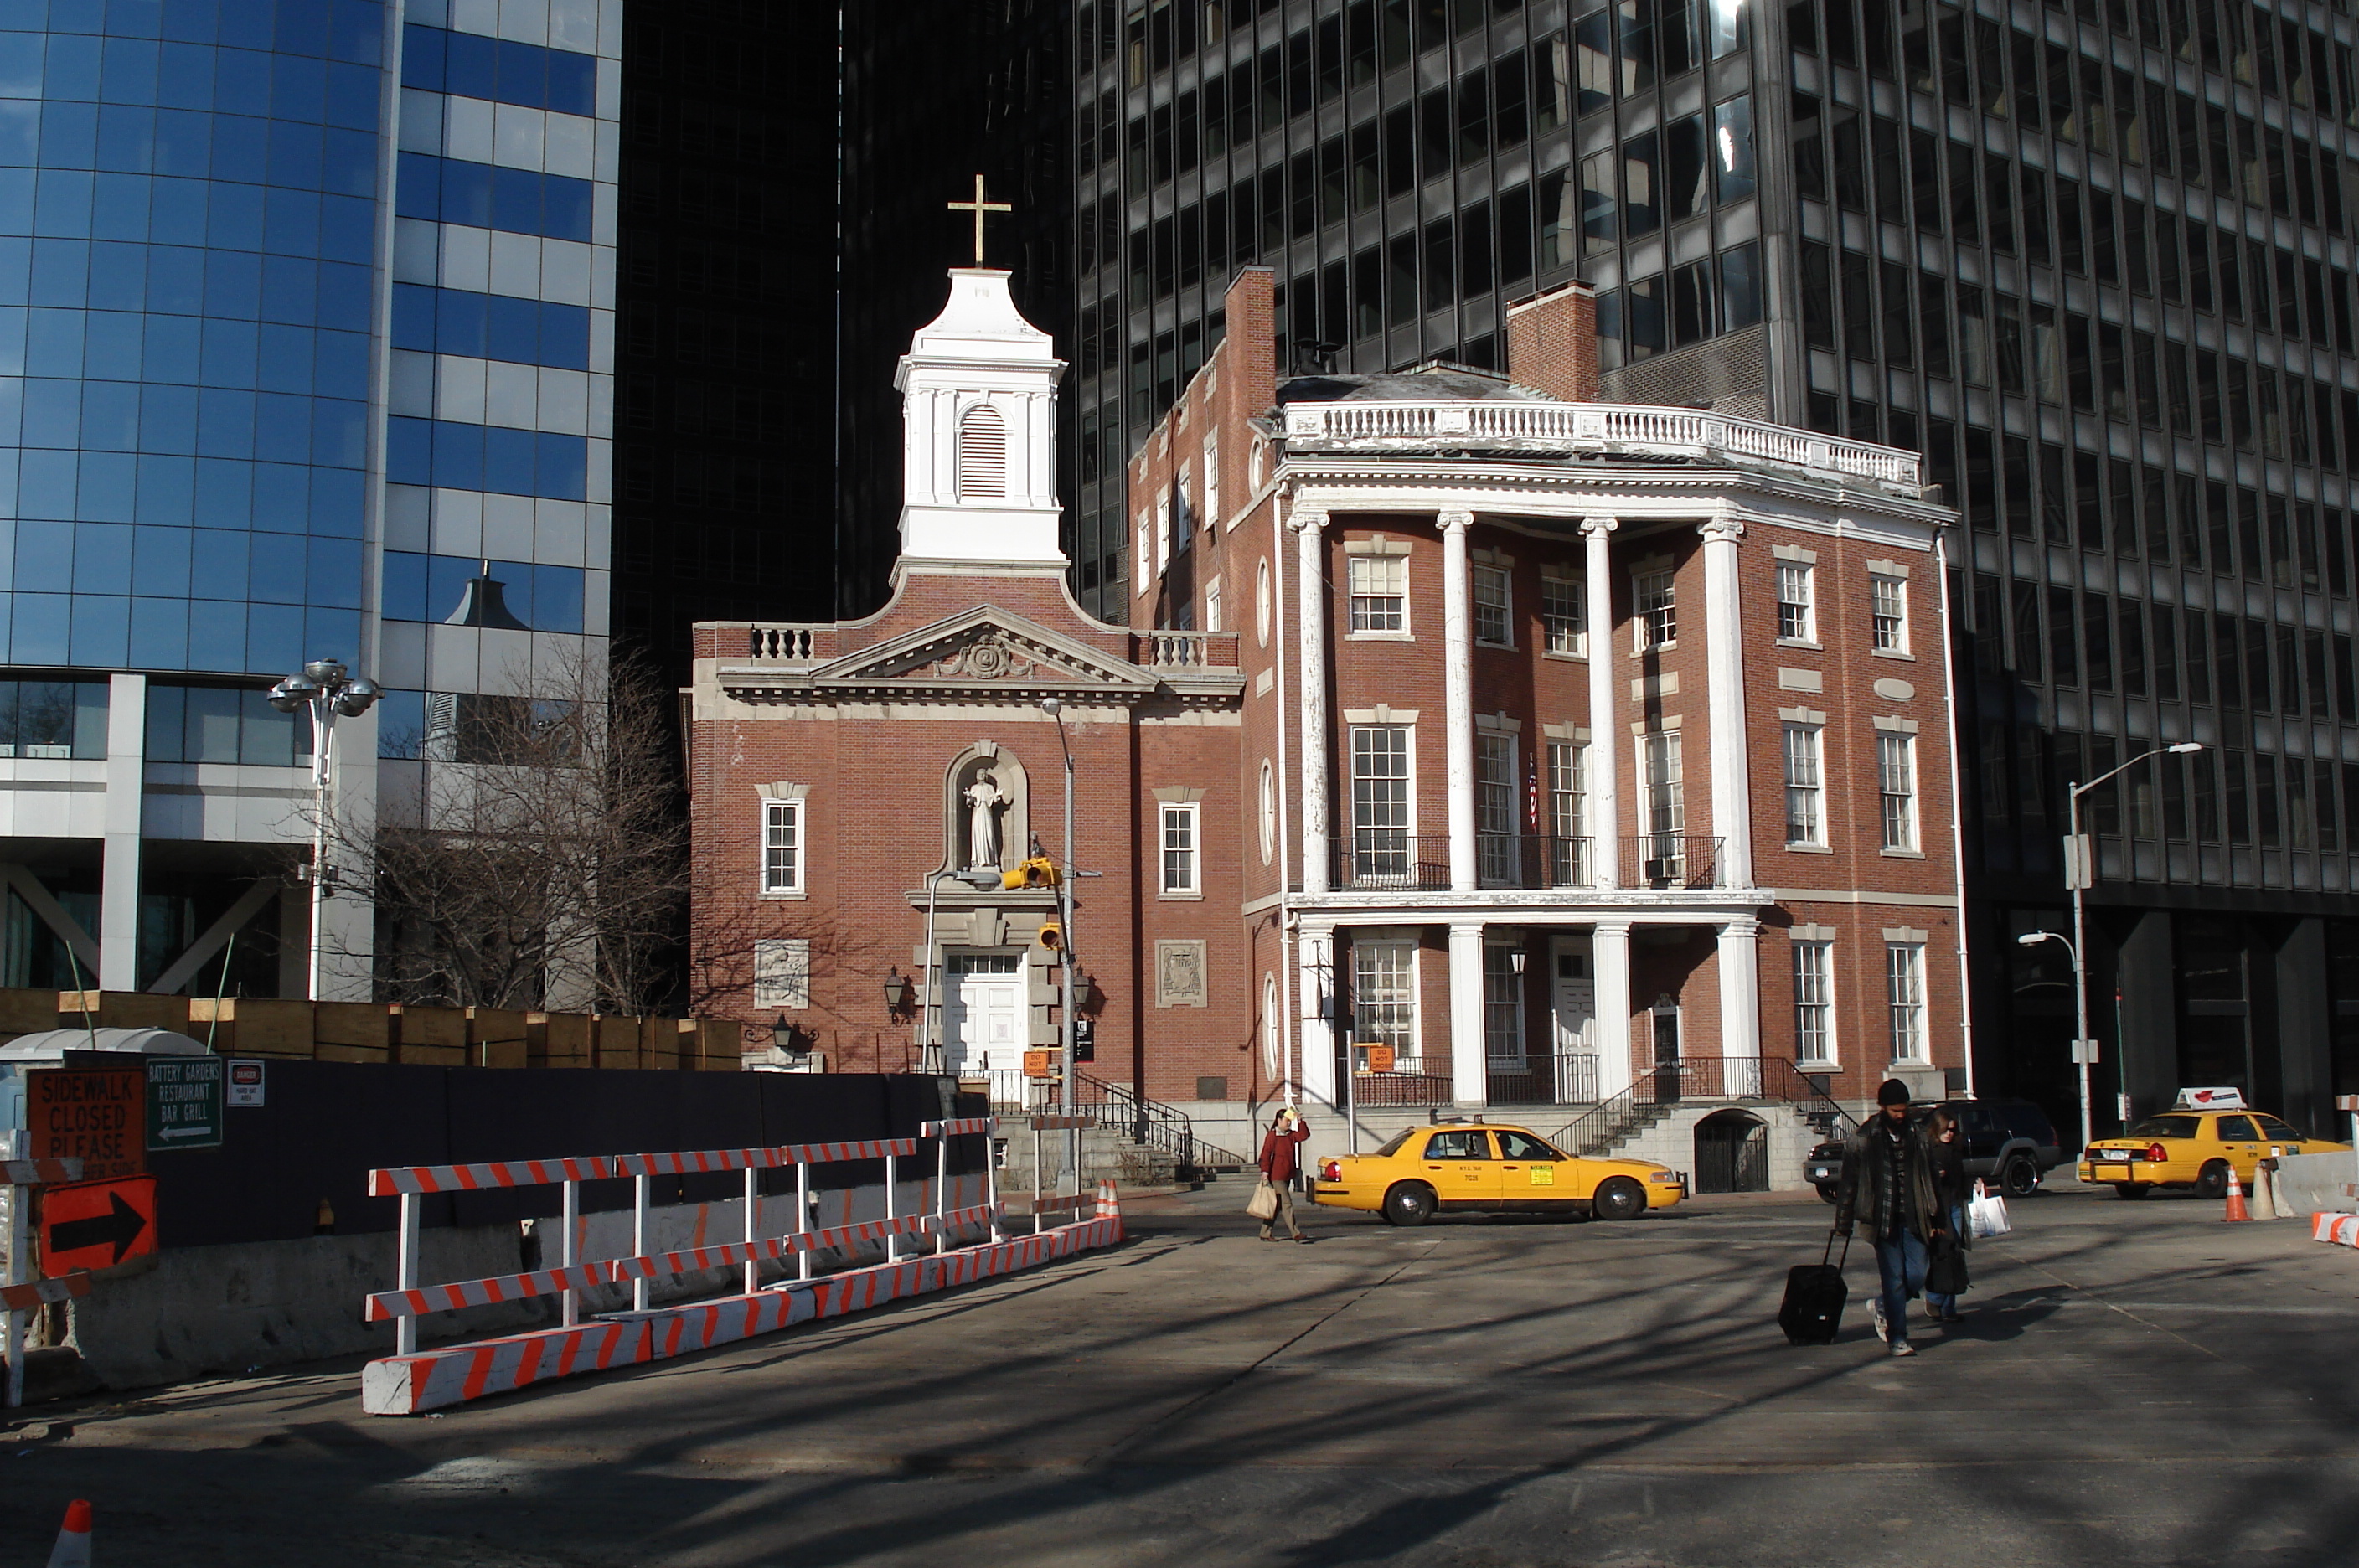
x=539 y=856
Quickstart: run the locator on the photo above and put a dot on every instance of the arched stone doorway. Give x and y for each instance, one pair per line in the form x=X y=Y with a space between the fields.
x=1732 y=1153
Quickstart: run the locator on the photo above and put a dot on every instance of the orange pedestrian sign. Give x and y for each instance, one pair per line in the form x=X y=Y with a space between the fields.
x=96 y=1224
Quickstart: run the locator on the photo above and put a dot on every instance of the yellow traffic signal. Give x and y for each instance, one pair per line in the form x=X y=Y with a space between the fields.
x=1052 y=936
x=1038 y=872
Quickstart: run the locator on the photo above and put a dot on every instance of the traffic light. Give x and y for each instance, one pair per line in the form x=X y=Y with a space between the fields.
x=1052 y=936
x=1038 y=872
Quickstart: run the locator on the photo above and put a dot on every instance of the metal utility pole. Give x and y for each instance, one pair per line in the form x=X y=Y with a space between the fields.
x=330 y=690
x=1056 y=710
x=2080 y=874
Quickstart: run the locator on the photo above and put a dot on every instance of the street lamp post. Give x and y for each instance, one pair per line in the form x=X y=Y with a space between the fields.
x=2080 y=874
x=1056 y=710
x=331 y=691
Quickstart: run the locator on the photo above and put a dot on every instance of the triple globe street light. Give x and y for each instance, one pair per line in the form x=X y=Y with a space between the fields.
x=2080 y=874
x=331 y=691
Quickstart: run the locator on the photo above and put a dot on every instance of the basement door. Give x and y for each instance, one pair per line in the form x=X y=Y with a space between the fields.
x=984 y=999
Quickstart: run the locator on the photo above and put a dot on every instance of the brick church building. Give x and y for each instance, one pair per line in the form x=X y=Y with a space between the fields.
x=1473 y=743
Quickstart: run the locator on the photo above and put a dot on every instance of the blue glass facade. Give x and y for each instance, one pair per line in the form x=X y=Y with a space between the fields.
x=189 y=223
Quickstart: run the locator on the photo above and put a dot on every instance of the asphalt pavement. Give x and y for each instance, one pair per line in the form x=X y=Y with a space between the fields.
x=2134 y=1383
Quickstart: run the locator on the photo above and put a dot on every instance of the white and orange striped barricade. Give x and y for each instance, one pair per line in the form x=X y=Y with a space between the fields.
x=2341 y=1230
x=1073 y=1124
x=943 y=1132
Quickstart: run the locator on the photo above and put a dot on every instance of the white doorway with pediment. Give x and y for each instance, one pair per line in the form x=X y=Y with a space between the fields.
x=985 y=1012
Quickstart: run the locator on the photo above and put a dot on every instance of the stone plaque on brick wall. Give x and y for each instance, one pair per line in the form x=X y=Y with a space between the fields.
x=1180 y=979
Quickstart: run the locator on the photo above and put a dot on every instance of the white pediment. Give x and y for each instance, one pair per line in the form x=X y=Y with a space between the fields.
x=985 y=650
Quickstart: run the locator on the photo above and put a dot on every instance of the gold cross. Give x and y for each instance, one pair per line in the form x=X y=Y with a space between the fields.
x=979 y=207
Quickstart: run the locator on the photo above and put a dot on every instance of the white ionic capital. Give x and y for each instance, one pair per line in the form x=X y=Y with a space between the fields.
x=1598 y=527
x=1722 y=526
x=1455 y=522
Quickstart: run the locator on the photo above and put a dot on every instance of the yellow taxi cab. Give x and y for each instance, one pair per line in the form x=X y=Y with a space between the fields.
x=2195 y=1144
x=1461 y=1165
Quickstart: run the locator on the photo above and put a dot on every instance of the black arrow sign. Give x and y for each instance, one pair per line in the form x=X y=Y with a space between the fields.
x=122 y=1227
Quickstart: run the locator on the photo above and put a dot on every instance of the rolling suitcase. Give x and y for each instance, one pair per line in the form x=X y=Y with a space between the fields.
x=1815 y=1294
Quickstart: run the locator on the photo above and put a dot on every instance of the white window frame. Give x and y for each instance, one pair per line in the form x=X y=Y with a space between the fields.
x=1887 y=612
x=783 y=838
x=1504 y=1043
x=1803 y=750
x=1162 y=532
x=1180 y=848
x=1814 y=1003
x=1663 y=804
x=1375 y=582
x=1492 y=596
x=1212 y=477
x=1798 y=613
x=1904 y=995
x=1145 y=542
x=1568 y=819
x=1498 y=828
x=1383 y=997
x=1895 y=789
x=781 y=975
x=1654 y=610
x=1212 y=622
x=1564 y=617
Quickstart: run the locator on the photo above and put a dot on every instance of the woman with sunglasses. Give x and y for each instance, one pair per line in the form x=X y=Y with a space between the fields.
x=1946 y=1143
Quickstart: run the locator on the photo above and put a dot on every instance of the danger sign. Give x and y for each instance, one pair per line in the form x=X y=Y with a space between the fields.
x=97 y=1225
x=98 y=1116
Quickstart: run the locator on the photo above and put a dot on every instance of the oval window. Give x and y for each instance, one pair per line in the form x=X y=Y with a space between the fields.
x=1268 y=812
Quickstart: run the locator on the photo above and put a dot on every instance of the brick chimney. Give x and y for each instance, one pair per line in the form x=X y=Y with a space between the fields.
x=1552 y=342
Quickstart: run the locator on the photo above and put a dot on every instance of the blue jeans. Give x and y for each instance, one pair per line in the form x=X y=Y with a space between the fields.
x=1942 y=1302
x=1901 y=1269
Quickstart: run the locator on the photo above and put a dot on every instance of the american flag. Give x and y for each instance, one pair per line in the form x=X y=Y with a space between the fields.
x=1532 y=791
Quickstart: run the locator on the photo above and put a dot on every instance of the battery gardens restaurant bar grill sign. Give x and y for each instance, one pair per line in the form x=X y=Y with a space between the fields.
x=184 y=1102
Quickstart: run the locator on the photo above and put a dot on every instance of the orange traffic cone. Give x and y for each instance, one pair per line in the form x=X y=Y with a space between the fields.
x=2237 y=1210
x=72 y=1550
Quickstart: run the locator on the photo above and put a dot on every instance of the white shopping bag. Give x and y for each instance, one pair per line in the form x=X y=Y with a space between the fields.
x=1987 y=1212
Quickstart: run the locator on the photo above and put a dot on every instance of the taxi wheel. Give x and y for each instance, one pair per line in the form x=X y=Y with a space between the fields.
x=1618 y=1198
x=2132 y=1189
x=1409 y=1203
x=2212 y=1181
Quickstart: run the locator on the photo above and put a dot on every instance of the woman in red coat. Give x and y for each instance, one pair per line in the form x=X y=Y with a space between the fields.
x=1278 y=1165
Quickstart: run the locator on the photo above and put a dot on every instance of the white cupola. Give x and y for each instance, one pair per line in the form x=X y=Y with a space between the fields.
x=979 y=408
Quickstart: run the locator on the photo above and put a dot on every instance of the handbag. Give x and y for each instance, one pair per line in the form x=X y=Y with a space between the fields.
x=1986 y=1212
x=1264 y=1203
x=1946 y=1274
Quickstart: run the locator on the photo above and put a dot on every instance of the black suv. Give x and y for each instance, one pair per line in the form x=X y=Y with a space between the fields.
x=2010 y=1143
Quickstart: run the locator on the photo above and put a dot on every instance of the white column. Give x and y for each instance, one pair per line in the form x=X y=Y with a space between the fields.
x=1315 y=955
x=1458 y=704
x=1310 y=586
x=1610 y=959
x=1740 y=1003
x=118 y=899
x=1604 y=735
x=1469 y=1077
x=1723 y=651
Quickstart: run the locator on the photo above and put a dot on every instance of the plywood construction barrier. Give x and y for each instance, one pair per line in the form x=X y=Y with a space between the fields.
x=390 y=1033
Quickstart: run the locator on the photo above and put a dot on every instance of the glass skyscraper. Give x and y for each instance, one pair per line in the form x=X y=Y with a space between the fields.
x=306 y=339
x=2093 y=257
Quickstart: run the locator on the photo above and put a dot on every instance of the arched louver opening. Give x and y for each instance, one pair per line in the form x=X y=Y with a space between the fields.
x=981 y=453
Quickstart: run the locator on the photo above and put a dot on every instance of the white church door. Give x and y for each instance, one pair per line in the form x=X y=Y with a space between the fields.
x=1576 y=1007
x=984 y=1007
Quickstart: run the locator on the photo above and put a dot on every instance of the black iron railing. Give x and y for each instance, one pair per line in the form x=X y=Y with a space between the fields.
x=1670 y=860
x=1568 y=1078
x=1380 y=860
x=1151 y=1123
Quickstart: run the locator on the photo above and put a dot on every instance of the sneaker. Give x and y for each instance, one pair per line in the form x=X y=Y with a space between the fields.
x=1902 y=1347
x=1883 y=1329
x=1934 y=1314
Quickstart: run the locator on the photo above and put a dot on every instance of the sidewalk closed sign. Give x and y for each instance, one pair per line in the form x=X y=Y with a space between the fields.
x=184 y=1102
x=93 y=1115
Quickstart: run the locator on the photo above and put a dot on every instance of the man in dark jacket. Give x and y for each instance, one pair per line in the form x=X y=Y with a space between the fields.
x=1279 y=1164
x=1888 y=1184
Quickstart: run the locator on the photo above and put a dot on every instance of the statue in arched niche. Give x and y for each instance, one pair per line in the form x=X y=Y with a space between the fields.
x=985 y=802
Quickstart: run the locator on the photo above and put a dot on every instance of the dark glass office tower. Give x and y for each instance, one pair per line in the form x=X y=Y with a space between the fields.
x=2096 y=263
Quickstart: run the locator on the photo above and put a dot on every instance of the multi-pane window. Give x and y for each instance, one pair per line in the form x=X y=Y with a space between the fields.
x=1814 y=1008
x=1383 y=997
x=1564 y=615
x=1180 y=848
x=1379 y=593
x=1666 y=790
x=1904 y=976
x=1503 y=1007
x=1568 y=764
x=1805 y=785
x=1796 y=620
x=1895 y=787
x=1889 y=614
x=1380 y=845
x=782 y=846
x=1494 y=808
x=1492 y=625
x=1654 y=610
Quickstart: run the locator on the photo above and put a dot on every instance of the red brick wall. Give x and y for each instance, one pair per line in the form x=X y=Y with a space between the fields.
x=1552 y=342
